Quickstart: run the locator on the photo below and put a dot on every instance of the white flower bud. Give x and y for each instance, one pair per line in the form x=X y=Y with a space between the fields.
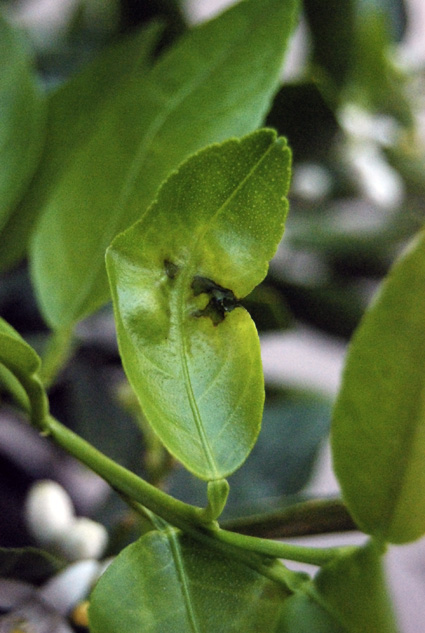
x=84 y=539
x=48 y=511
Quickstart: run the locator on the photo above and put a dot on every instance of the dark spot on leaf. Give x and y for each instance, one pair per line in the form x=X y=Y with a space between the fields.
x=222 y=300
x=170 y=269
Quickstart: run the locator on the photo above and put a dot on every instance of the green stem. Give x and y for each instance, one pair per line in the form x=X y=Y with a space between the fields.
x=315 y=516
x=58 y=350
x=288 y=551
x=126 y=482
x=190 y=519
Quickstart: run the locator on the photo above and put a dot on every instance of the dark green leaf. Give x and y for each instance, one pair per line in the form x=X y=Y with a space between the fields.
x=216 y=82
x=332 y=28
x=378 y=433
x=166 y=582
x=29 y=564
x=22 y=114
x=301 y=113
x=347 y=596
x=190 y=352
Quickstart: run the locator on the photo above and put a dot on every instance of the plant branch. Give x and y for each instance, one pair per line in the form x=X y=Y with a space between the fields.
x=123 y=480
x=255 y=552
x=288 y=551
x=319 y=516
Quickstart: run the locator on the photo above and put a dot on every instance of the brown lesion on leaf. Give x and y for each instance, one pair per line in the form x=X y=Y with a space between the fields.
x=222 y=300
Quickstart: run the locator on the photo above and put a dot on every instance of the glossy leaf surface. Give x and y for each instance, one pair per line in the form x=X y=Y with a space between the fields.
x=378 y=433
x=22 y=113
x=347 y=596
x=190 y=352
x=217 y=81
x=165 y=582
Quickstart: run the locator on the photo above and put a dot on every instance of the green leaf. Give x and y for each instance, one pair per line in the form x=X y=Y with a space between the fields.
x=22 y=117
x=74 y=112
x=190 y=352
x=378 y=432
x=166 y=582
x=377 y=84
x=217 y=81
x=280 y=463
x=332 y=27
x=22 y=364
x=29 y=564
x=347 y=596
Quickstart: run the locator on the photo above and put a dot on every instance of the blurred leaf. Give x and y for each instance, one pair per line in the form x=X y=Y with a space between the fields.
x=301 y=113
x=283 y=457
x=395 y=10
x=332 y=27
x=268 y=308
x=379 y=417
x=189 y=350
x=295 y=516
x=74 y=116
x=347 y=596
x=90 y=410
x=216 y=82
x=134 y=12
x=375 y=82
x=22 y=118
x=29 y=564
x=169 y=583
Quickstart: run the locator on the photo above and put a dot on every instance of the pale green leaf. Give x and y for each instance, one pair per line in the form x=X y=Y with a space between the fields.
x=378 y=432
x=217 y=81
x=348 y=595
x=166 y=582
x=190 y=352
x=22 y=115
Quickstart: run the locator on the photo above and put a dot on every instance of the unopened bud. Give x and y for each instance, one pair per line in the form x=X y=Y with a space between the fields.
x=84 y=539
x=49 y=511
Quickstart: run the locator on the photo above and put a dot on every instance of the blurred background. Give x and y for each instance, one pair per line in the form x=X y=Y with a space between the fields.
x=352 y=104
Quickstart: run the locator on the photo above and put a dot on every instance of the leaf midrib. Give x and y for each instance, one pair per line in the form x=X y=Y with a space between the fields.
x=185 y=282
x=181 y=573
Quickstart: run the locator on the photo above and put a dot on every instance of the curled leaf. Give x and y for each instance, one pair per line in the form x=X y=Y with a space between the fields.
x=190 y=351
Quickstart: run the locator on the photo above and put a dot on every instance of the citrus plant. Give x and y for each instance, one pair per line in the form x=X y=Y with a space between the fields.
x=145 y=180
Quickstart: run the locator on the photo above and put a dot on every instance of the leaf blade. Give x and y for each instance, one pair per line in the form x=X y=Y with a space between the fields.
x=205 y=89
x=169 y=582
x=21 y=364
x=191 y=354
x=379 y=417
x=22 y=119
x=348 y=595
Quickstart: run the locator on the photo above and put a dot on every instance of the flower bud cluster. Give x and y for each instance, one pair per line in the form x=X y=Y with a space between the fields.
x=51 y=520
